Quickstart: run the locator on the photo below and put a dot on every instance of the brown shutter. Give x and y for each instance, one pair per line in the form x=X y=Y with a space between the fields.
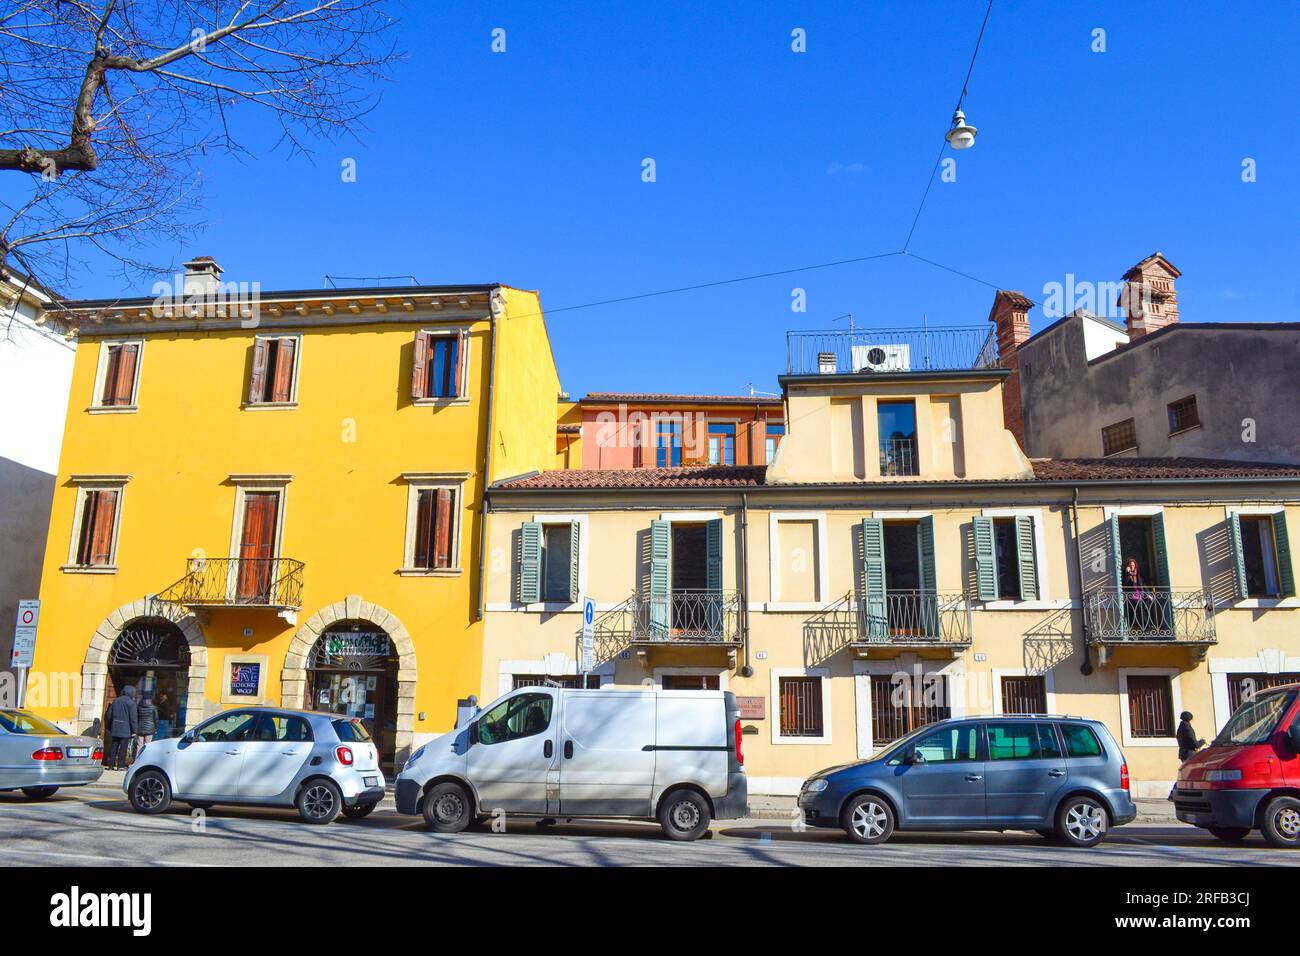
x=101 y=545
x=420 y=366
x=257 y=545
x=282 y=389
x=109 y=393
x=257 y=380
x=125 y=382
x=423 y=537
x=87 y=536
x=458 y=386
x=442 y=530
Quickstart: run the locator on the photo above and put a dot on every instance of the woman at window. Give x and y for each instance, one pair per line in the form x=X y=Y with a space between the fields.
x=1138 y=599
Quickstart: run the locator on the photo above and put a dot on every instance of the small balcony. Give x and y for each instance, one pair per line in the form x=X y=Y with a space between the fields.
x=898 y=457
x=1142 y=616
x=274 y=583
x=884 y=351
x=710 y=618
x=913 y=619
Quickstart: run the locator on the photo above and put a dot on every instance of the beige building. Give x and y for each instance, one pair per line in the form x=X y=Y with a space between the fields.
x=901 y=561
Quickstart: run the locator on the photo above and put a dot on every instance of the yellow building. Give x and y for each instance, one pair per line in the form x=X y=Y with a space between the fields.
x=902 y=561
x=277 y=497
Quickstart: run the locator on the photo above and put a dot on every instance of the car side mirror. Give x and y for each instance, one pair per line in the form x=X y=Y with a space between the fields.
x=1293 y=735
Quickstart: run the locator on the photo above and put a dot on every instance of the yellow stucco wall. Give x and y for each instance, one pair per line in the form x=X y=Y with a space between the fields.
x=344 y=448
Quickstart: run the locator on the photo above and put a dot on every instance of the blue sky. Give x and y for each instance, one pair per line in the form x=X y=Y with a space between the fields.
x=525 y=168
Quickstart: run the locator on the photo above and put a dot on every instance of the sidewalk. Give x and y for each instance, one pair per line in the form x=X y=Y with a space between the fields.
x=761 y=807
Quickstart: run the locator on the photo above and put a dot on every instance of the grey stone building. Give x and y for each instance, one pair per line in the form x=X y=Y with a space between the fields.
x=1154 y=387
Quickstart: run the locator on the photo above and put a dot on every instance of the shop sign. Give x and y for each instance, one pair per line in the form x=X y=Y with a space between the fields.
x=752 y=708
x=359 y=644
x=245 y=679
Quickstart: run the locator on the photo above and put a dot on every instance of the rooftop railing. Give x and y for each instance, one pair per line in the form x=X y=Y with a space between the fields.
x=945 y=348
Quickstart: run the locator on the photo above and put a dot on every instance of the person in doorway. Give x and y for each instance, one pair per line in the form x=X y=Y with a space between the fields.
x=120 y=722
x=1137 y=598
x=1188 y=742
x=146 y=722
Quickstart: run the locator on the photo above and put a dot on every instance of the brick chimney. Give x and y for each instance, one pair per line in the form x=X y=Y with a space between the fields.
x=202 y=276
x=1148 y=298
x=1010 y=318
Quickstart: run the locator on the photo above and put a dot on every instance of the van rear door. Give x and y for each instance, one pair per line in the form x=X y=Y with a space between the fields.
x=692 y=741
x=607 y=764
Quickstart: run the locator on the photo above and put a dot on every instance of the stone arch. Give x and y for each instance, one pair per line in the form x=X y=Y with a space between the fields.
x=94 y=671
x=293 y=679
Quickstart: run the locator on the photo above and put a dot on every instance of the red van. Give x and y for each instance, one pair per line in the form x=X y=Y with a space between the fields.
x=1249 y=778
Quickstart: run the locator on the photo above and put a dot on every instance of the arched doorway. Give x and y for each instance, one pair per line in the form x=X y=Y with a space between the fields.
x=352 y=670
x=153 y=656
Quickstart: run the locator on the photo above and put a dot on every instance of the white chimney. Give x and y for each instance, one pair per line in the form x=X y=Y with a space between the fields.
x=202 y=277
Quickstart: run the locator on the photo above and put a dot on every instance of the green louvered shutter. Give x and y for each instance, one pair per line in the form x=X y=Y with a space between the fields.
x=575 y=541
x=660 y=533
x=929 y=587
x=1162 y=555
x=1026 y=558
x=1238 y=555
x=1117 y=571
x=713 y=536
x=530 y=563
x=875 y=621
x=1285 y=573
x=986 y=562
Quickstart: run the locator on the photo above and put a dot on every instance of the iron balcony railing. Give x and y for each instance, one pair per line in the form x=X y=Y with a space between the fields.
x=915 y=618
x=898 y=457
x=1165 y=615
x=687 y=617
x=946 y=348
x=238 y=582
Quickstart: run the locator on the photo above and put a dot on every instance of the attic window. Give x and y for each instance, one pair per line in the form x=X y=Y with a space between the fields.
x=1120 y=437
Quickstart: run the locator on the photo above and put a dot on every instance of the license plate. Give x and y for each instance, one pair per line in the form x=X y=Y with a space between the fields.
x=78 y=751
x=370 y=781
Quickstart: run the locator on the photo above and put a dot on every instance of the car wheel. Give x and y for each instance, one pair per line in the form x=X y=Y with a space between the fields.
x=868 y=819
x=447 y=808
x=1231 y=834
x=1282 y=823
x=319 y=801
x=1081 y=822
x=684 y=815
x=39 y=793
x=150 y=792
x=360 y=811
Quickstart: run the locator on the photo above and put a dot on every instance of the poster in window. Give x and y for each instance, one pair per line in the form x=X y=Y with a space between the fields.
x=245 y=679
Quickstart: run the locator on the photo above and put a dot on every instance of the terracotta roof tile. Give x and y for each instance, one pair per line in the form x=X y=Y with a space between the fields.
x=1137 y=469
x=692 y=476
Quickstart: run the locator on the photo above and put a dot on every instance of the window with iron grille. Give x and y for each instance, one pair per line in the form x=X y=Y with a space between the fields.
x=1150 y=706
x=1122 y=436
x=1243 y=687
x=801 y=707
x=898 y=706
x=1183 y=414
x=562 y=680
x=1024 y=695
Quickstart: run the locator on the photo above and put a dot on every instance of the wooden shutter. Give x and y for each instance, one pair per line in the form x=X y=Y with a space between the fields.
x=986 y=560
x=1162 y=555
x=257 y=545
x=420 y=366
x=108 y=395
x=1150 y=705
x=530 y=563
x=442 y=529
x=282 y=389
x=1026 y=558
x=101 y=546
x=1116 y=553
x=424 y=510
x=660 y=534
x=575 y=541
x=126 y=373
x=257 y=378
x=1285 y=572
x=873 y=578
x=801 y=707
x=929 y=596
x=1024 y=695
x=713 y=535
x=1238 y=554
x=457 y=365
x=87 y=533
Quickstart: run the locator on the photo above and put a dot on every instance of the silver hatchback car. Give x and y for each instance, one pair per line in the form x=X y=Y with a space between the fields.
x=322 y=764
x=38 y=758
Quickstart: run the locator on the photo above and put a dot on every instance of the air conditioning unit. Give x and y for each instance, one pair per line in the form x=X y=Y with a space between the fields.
x=881 y=358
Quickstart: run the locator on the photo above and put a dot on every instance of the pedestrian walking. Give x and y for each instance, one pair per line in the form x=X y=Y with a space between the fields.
x=146 y=721
x=120 y=722
x=1188 y=742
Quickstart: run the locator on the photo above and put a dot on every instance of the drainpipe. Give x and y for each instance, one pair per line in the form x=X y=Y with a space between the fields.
x=1086 y=667
x=746 y=670
x=494 y=308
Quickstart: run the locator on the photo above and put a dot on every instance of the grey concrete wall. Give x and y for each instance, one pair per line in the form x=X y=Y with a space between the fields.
x=1236 y=373
x=25 y=497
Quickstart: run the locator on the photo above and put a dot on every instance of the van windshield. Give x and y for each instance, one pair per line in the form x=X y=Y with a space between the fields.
x=1254 y=721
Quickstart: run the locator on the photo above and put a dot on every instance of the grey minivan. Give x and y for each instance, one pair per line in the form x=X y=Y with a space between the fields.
x=1063 y=777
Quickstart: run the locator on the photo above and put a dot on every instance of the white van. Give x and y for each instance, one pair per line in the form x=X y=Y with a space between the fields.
x=551 y=752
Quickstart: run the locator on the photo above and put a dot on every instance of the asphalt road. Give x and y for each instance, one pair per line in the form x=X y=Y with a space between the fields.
x=96 y=827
